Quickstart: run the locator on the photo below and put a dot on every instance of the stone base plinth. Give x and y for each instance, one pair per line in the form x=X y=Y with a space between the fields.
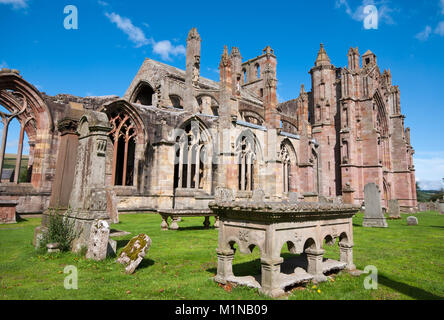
x=374 y=223
x=7 y=211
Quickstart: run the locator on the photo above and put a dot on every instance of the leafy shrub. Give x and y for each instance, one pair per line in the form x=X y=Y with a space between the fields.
x=60 y=230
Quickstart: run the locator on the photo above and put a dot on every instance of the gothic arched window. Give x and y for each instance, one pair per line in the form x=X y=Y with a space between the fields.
x=191 y=149
x=246 y=155
x=16 y=167
x=123 y=135
x=286 y=167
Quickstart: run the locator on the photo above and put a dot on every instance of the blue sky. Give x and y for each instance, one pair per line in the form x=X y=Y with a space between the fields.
x=113 y=38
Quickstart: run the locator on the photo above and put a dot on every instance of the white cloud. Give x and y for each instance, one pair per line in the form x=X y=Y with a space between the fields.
x=424 y=35
x=16 y=4
x=440 y=28
x=431 y=185
x=3 y=64
x=430 y=170
x=103 y=3
x=344 y=3
x=164 y=48
x=384 y=10
x=441 y=4
x=134 y=33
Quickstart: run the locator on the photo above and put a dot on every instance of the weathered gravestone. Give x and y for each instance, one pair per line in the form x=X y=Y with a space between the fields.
x=88 y=201
x=422 y=207
x=134 y=252
x=394 y=209
x=258 y=196
x=412 y=221
x=39 y=234
x=293 y=197
x=373 y=218
x=98 y=241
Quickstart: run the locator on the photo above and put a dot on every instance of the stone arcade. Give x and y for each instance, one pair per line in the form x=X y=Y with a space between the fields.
x=175 y=136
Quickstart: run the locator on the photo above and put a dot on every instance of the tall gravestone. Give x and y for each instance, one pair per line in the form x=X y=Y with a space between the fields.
x=374 y=217
x=394 y=209
x=88 y=200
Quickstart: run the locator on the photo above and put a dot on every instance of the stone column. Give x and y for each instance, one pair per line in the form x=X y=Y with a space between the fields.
x=270 y=275
x=346 y=255
x=315 y=258
x=88 y=200
x=224 y=265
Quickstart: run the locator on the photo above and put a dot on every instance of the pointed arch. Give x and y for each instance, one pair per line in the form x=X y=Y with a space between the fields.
x=248 y=155
x=25 y=103
x=128 y=137
x=193 y=156
x=143 y=94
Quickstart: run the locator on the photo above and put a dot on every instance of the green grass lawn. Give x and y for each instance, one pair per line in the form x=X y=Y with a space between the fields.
x=9 y=161
x=181 y=264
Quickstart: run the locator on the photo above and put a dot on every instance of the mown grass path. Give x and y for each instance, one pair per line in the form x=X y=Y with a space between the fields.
x=181 y=264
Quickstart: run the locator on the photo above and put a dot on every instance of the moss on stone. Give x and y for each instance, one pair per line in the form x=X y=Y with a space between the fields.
x=133 y=254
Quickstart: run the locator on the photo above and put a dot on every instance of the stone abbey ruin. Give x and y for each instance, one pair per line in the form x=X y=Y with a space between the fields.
x=174 y=137
x=272 y=174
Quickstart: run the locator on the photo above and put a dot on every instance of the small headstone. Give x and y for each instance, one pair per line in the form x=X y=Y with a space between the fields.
x=134 y=252
x=373 y=217
x=53 y=247
x=39 y=234
x=223 y=195
x=258 y=196
x=293 y=197
x=394 y=209
x=422 y=207
x=412 y=221
x=98 y=240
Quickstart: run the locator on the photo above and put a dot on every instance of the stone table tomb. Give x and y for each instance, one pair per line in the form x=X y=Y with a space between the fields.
x=303 y=227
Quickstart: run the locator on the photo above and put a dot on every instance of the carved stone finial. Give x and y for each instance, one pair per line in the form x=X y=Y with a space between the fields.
x=193 y=34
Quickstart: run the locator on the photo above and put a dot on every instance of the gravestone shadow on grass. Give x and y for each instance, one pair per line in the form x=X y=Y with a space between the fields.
x=408 y=290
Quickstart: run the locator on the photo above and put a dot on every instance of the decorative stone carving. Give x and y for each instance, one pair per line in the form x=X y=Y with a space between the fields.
x=134 y=252
x=223 y=195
